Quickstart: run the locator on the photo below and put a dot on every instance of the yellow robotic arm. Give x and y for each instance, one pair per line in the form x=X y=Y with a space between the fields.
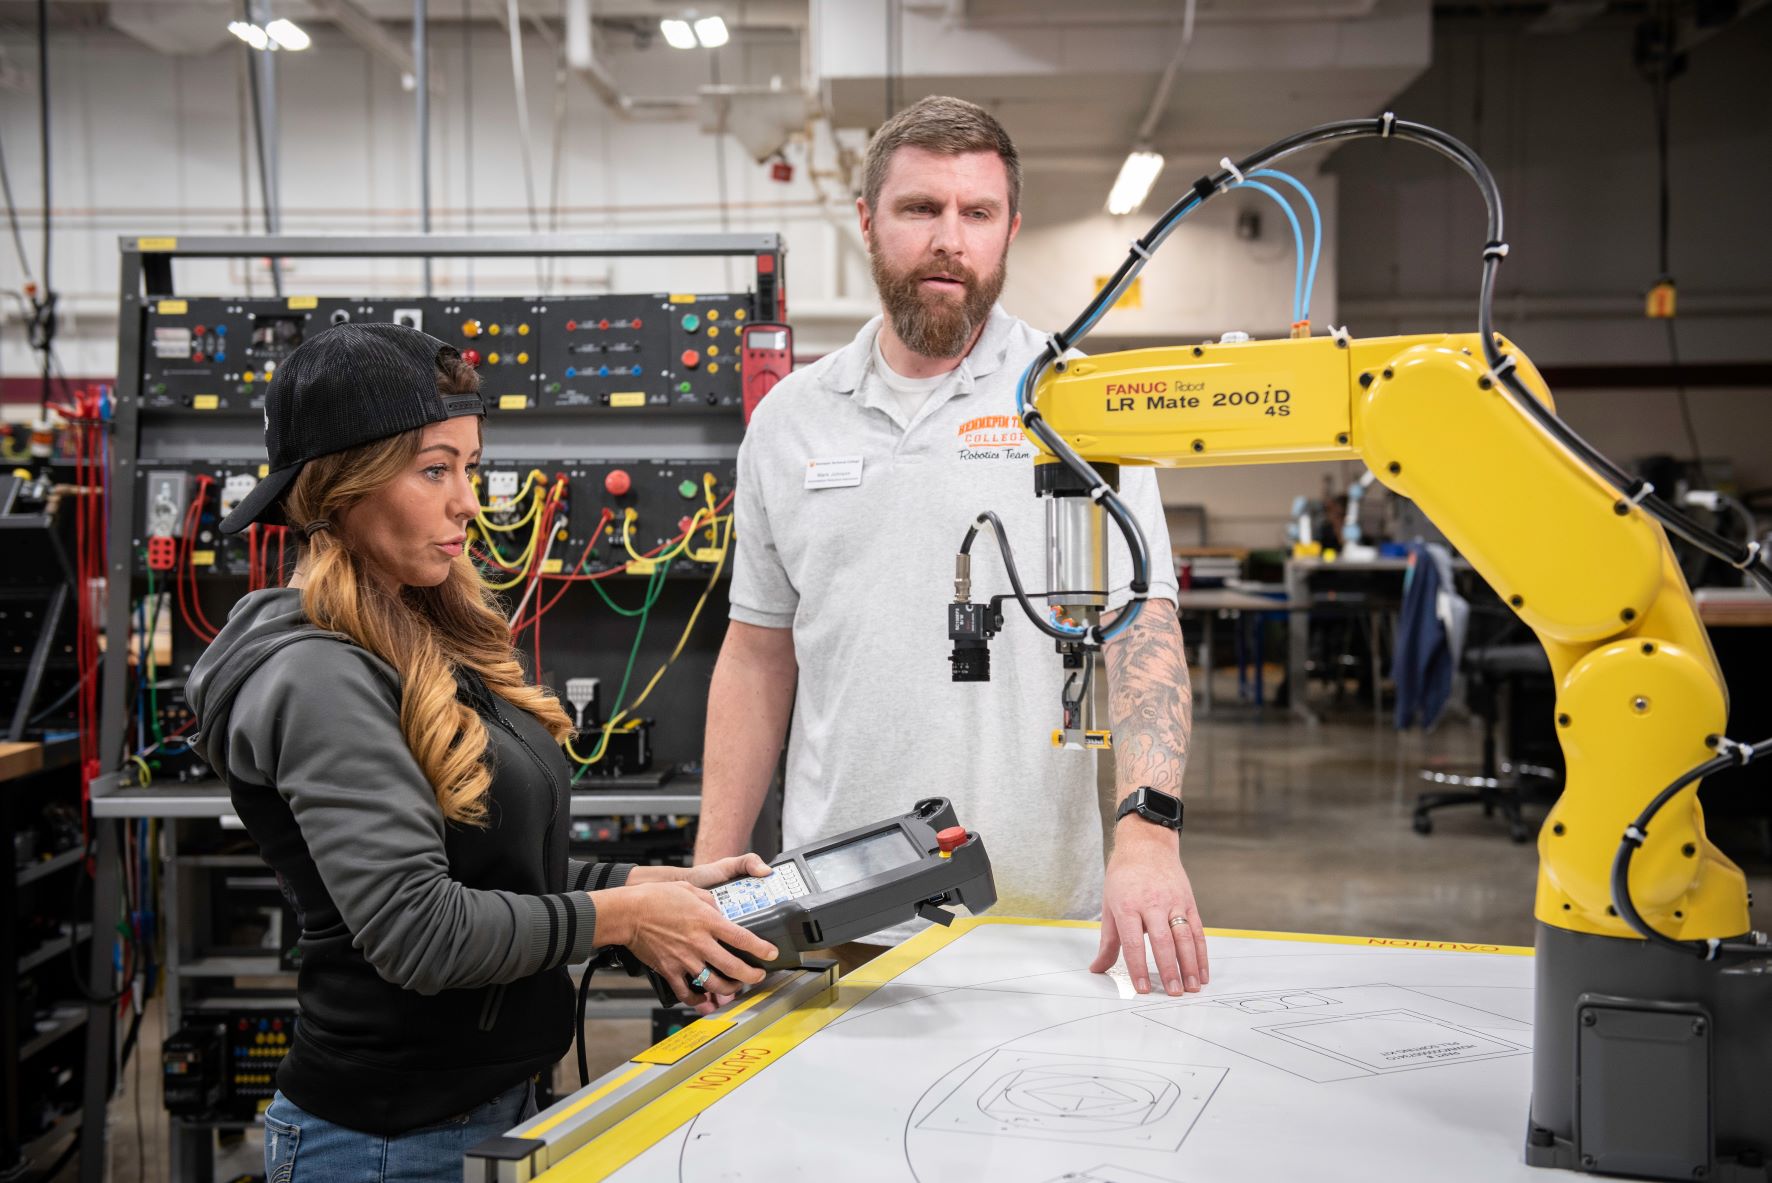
x=1591 y=574
x=1654 y=998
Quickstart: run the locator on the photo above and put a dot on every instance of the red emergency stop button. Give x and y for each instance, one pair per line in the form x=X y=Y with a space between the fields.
x=472 y=357
x=952 y=838
x=618 y=483
x=691 y=359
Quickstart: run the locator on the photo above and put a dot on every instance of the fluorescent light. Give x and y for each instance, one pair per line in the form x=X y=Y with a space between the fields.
x=711 y=31
x=677 y=34
x=1134 y=183
x=287 y=34
x=250 y=33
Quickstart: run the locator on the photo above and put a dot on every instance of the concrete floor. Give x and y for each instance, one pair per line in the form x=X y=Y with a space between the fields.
x=1289 y=828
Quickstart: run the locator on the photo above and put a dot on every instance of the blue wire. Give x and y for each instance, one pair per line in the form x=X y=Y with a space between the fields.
x=1310 y=283
x=1297 y=240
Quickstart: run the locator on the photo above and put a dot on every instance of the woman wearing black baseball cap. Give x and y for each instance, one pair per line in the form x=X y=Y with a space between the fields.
x=406 y=783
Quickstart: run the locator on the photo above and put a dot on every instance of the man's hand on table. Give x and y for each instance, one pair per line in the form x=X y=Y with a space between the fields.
x=1145 y=889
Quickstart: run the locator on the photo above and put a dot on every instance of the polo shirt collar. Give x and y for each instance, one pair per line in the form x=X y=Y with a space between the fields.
x=857 y=357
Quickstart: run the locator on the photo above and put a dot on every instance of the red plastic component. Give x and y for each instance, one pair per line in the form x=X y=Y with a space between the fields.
x=763 y=368
x=603 y=324
x=952 y=838
x=572 y=326
x=635 y=323
x=618 y=482
x=472 y=357
x=691 y=359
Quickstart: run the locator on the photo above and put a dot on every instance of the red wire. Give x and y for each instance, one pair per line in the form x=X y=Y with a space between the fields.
x=252 y=557
x=193 y=517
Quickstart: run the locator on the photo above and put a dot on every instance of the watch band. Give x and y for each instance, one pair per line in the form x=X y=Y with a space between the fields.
x=1154 y=806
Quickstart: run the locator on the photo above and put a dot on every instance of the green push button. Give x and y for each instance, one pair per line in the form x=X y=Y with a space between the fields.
x=691 y=322
x=684 y=388
x=688 y=489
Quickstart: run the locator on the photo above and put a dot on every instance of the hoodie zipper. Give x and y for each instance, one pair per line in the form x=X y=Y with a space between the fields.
x=496 y=996
x=553 y=790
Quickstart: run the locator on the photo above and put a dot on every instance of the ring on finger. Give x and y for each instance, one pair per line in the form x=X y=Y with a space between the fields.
x=701 y=979
x=1178 y=922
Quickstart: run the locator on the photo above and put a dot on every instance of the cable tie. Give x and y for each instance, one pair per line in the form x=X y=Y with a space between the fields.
x=1204 y=188
x=1494 y=375
x=1387 y=123
x=1139 y=590
x=1494 y=250
x=1741 y=753
x=1225 y=162
x=1753 y=555
x=1139 y=250
x=1098 y=492
x=1340 y=335
x=1644 y=491
x=1058 y=345
x=1711 y=947
x=1634 y=834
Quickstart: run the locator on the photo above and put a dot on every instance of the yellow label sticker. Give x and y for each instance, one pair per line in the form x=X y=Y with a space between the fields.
x=202 y=558
x=205 y=402
x=264 y=470
x=156 y=244
x=172 y=308
x=707 y=554
x=512 y=402
x=300 y=303
x=628 y=398
x=675 y=1046
x=642 y=566
x=682 y=297
x=1132 y=297
x=553 y=566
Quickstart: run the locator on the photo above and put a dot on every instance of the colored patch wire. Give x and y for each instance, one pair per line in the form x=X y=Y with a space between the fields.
x=570 y=577
x=490 y=547
x=192 y=609
x=523 y=564
x=682 y=641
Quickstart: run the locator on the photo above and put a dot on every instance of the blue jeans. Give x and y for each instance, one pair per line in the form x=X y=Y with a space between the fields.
x=302 y=1148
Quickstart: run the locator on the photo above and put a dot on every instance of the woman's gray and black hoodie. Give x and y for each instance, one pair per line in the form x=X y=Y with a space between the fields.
x=432 y=956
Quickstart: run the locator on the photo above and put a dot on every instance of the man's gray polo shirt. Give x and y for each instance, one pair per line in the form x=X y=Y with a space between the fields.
x=863 y=575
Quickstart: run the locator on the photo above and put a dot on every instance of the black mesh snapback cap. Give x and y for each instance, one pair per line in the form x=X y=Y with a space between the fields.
x=350 y=385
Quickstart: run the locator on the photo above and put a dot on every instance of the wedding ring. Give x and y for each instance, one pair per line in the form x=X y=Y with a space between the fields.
x=1178 y=922
x=701 y=979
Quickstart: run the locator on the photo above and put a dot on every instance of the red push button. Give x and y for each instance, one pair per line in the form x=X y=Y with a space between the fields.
x=572 y=326
x=691 y=359
x=618 y=483
x=952 y=838
x=472 y=357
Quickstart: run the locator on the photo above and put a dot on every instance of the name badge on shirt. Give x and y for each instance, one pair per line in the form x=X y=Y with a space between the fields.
x=837 y=472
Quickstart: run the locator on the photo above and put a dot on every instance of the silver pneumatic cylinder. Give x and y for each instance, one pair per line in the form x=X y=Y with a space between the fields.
x=1076 y=553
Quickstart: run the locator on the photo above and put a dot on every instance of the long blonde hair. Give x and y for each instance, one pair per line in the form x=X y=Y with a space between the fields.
x=425 y=633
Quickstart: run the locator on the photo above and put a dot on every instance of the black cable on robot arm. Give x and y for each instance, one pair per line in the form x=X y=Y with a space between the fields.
x=1638 y=831
x=1021 y=597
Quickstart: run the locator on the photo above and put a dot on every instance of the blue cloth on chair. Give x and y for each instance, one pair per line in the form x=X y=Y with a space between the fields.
x=1430 y=633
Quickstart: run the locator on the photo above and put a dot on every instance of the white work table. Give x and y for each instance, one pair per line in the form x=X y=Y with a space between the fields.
x=987 y=1051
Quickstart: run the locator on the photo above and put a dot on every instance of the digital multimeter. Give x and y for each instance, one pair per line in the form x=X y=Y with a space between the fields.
x=853 y=885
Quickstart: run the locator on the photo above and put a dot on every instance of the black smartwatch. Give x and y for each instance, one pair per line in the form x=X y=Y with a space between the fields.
x=1154 y=806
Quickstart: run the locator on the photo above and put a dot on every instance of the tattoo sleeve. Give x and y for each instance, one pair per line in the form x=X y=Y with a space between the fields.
x=1150 y=701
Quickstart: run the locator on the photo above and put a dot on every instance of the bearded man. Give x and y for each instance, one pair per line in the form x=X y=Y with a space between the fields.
x=856 y=481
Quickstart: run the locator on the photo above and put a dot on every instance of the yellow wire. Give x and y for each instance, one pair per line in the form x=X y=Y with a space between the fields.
x=147 y=774
x=521 y=563
x=511 y=527
x=677 y=652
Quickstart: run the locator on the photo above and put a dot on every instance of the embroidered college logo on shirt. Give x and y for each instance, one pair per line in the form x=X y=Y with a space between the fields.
x=994 y=437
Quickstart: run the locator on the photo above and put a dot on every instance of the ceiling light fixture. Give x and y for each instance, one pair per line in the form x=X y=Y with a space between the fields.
x=677 y=34
x=1134 y=183
x=287 y=34
x=250 y=33
x=711 y=32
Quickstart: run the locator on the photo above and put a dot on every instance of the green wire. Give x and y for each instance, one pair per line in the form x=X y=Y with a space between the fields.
x=654 y=587
x=645 y=605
